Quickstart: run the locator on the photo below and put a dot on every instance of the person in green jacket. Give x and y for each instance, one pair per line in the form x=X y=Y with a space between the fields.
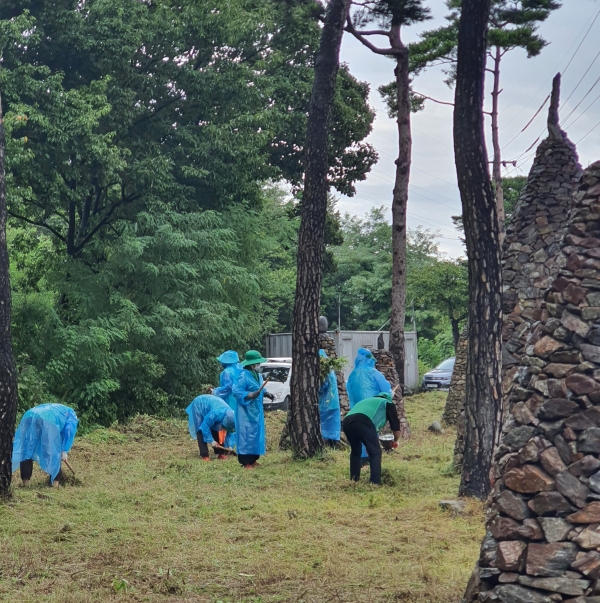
x=362 y=426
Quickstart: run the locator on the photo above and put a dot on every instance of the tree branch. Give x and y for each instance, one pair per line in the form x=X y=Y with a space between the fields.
x=373 y=32
x=432 y=99
x=383 y=51
x=40 y=224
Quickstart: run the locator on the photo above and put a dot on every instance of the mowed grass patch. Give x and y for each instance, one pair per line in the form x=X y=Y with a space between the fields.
x=147 y=520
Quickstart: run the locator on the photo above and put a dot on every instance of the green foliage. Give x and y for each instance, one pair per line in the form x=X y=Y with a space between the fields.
x=443 y=286
x=331 y=364
x=144 y=236
x=513 y=24
x=434 y=351
x=512 y=188
x=361 y=281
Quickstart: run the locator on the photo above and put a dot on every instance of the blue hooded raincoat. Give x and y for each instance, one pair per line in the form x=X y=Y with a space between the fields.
x=249 y=415
x=45 y=431
x=208 y=412
x=228 y=377
x=365 y=381
x=329 y=406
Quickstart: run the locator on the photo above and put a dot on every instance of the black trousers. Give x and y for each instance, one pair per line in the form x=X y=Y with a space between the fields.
x=359 y=430
x=203 y=445
x=26 y=468
x=248 y=459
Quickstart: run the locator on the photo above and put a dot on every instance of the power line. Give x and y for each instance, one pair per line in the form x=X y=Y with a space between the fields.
x=563 y=73
x=416 y=216
x=376 y=173
x=583 y=76
x=582 y=41
x=583 y=112
x=420 y=170
x=584 y=97
x=586 y=135
x=546 y=82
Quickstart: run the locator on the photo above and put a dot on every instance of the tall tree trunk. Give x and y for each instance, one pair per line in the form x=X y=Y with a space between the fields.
x=497 y=163
x=483 y=394
x=8 y=378
x=305 y=429
x=399 y=203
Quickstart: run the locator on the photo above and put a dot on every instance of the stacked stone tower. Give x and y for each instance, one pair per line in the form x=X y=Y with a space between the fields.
x=543 y=524
x=531 y=251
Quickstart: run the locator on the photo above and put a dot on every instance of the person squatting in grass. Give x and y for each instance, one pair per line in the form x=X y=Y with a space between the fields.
x=211 y=421
x=229 y=375
x=249 y=414
x=362 y=425
x=45 y=435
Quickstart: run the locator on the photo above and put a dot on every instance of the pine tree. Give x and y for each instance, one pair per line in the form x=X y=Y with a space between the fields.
x=304 y=420
x=8 y=377
x=483 y=383
x=391 y=16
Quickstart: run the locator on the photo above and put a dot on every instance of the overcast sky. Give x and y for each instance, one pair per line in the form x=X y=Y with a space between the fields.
x=433 y=193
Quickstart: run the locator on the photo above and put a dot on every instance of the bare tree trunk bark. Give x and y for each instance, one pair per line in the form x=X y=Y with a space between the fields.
x=399 y=204
x=483 y=393
x=497 y=163
x=305 y=428
x=8 y=377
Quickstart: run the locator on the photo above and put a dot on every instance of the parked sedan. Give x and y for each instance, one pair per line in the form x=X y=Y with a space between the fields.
x=279 y=373
x=439 y=377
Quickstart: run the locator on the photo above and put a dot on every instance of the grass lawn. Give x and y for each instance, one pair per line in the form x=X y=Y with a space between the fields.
x=147 y=520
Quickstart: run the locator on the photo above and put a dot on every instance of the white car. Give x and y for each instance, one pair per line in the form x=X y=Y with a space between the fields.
x=279 y=373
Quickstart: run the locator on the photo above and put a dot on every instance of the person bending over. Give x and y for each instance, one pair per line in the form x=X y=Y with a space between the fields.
x=45 y=435
x=362 y=425
x=211 y=421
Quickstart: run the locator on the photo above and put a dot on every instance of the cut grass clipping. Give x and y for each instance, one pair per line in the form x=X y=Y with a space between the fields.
x=147 y=520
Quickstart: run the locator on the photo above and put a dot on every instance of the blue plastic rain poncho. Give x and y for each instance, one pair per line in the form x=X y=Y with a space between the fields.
x=329 y=406
x=249 y=414
x=45 y=432
x=208 y=412
x=229 y=376
x=365 y=380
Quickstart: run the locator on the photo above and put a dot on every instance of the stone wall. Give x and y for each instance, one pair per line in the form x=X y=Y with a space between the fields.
x=543 y=522
x=456 y=395
x=530 y=252
x=385 y=364
x=327 y=343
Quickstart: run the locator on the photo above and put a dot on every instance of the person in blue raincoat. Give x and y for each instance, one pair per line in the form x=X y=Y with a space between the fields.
x=249 y=414
x=365 y=381
x=45 y=435
x=211 y=422
x=329 y=406
x=231 y=369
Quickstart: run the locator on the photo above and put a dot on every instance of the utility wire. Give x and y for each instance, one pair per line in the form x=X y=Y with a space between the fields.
x=581 y=79
x=584 y=97
x=586 y=135
x=563 y=73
